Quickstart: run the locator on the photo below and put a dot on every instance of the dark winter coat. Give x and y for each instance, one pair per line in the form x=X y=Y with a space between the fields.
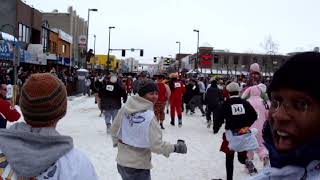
x=237 y=113
x=111 y=94
x=189 y=93
x=213 y=97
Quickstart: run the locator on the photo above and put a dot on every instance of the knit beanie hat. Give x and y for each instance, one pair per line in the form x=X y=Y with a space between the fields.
x=233 y=87
x=43 y=100
x=299 y=73
x=147 y=86
x=255 y=67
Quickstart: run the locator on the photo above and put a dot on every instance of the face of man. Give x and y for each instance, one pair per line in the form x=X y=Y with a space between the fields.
x=294 y=119
x=3 y=90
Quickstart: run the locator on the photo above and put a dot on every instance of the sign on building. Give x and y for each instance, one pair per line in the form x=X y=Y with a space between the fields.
x=82 y=41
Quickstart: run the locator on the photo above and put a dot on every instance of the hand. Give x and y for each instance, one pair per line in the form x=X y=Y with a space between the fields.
x=215 y=131
x=180 y=147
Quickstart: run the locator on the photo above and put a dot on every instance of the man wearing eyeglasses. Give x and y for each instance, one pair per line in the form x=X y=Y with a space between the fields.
x=292 y=131
x=7 y=111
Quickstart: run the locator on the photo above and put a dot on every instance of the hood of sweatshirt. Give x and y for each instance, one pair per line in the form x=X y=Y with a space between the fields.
x=137 y=104
x=30 y=151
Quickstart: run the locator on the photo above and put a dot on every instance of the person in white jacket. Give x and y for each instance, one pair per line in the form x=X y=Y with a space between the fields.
x=136 y=133
x=291 y=133
x=34 y=149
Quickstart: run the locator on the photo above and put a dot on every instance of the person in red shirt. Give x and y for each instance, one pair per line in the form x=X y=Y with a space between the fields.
x=163 y=95
x=177 y=90
x=7 y=111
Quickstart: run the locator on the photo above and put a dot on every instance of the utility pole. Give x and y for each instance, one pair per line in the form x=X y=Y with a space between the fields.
x=108 y=58
x=95 y=10
x=197 y=56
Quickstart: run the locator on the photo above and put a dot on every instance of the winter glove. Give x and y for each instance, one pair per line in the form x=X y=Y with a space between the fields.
x=180 y=147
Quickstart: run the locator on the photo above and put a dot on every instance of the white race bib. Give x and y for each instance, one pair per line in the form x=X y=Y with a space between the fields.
x=237 y=109
x=177 y=85
x=9 y=91
x=135 y=127
x=110 y=88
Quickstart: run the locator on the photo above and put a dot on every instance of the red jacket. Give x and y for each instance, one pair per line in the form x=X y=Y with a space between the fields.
x=162 y=95
x=177 y=92
x=7 y=113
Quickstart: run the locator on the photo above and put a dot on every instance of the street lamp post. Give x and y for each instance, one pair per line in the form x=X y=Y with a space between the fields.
x=94 y=51
x=95 y=10
x=197 y=57
x=108 y=60
x=178 y=42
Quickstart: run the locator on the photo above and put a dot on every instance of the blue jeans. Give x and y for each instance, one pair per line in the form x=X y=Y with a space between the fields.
x=110 y=114
x=133 y=174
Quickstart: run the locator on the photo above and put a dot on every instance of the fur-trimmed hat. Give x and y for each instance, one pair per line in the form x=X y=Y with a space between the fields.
x=43 y=100
x=147 y=86
x=299 y=73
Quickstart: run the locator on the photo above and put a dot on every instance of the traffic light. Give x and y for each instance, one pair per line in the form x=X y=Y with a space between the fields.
x=141 y=52
x=123 y=52
x=154 y=59
x=216 y=59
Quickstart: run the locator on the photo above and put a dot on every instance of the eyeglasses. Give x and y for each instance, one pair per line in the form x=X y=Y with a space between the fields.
x=298 y=106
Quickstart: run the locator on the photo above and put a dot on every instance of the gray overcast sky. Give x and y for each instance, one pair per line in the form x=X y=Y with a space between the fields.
x=156 y=25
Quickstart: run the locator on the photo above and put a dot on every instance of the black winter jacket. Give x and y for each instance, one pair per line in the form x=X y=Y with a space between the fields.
x=237 y=113
x=110 y=95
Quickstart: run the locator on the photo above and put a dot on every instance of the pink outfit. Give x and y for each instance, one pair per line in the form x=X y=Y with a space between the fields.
x=256 y=101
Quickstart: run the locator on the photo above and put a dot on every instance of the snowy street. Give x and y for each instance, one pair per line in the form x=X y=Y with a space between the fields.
x=203 y=161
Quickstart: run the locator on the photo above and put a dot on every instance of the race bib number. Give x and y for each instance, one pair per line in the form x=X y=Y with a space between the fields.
x=109 y=87
x=177 y=85
x=237 y=109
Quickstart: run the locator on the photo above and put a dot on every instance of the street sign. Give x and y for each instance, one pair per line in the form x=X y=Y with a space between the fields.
x=82 y=41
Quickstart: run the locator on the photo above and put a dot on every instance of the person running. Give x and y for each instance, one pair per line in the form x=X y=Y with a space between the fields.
x=238 y=115
x=177 y=90
x=163 y=96
x=110 y=96
x=260 y=107
x=136 y=133
x=213 y=99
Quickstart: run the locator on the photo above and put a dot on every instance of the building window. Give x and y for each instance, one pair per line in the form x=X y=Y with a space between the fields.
x=20 y=32
x=236 y=60
x=226 y=59
x=24 y=33
x=63 y=48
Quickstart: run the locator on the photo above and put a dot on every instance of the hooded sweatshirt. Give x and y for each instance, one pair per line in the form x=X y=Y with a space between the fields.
x=134 y=157
x=42 y=153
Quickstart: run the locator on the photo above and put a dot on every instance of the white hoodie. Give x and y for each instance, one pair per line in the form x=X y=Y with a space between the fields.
x=134 y=157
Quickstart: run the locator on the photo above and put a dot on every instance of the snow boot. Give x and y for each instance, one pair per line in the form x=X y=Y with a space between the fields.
x=208 y=123
x=172 y=121
x=250 y=167
x=108 y=128
x=161 y=125
x=180 y=122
